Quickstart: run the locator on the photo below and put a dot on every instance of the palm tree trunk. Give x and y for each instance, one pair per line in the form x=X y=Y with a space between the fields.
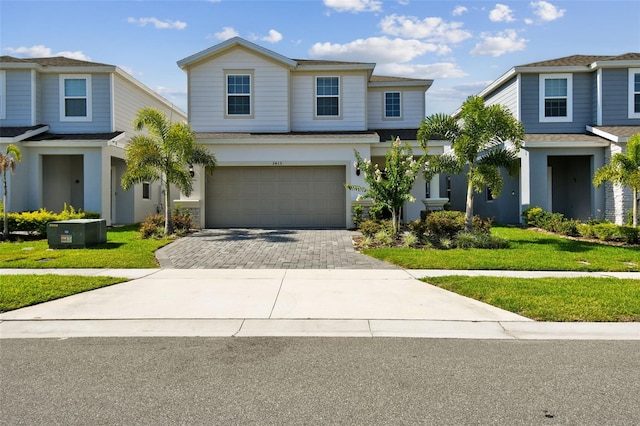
x=168 y=223
x=468 y=217
x=5 y=228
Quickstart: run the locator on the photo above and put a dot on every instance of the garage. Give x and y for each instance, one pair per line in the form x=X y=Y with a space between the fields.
x=276 y=197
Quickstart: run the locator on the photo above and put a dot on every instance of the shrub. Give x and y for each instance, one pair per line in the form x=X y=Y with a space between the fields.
x=383 y=237
x=369 y=228
x=446 y=243
x=35 y=222
x=448 y=223
x=418 y=228
x=466 y=240
x=586 y=230
x=409 y=239
x=605 y=231
x=152 y=227
x=358 y=212
x=568 y=227
x=535 y=216
x=629 y=234
x=182 y=220
x=379 y=212
x=480 y=240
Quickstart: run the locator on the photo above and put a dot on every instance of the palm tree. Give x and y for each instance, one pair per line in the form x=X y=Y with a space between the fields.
x=165 y=153
x=485 y=139
x=624 y=169
x=8 y=162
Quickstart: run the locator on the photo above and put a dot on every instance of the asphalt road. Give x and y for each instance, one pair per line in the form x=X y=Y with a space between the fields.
x=318 y=381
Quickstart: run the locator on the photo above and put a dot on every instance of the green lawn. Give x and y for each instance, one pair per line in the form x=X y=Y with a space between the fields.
x=529 y=251
x=124 y=249
x=552 y=299
x=18 y=291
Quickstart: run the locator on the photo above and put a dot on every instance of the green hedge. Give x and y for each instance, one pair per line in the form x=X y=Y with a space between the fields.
x=35 y=222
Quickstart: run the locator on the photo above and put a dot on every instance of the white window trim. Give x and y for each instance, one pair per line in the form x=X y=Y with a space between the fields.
x=227 y=73
x=3 y=94
x=63 y=117
x=316 y=96
x=569 y=117
x=149 y=191
x=632 y=92
x=384 y=106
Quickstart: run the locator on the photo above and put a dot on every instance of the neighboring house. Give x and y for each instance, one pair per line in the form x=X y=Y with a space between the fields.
x=284 y=132
x=72 y=120
x=577 y=112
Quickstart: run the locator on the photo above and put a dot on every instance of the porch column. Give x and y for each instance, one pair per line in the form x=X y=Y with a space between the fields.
x=434 y=202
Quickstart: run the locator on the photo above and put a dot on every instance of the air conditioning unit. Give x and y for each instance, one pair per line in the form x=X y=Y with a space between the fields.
x=76 y=233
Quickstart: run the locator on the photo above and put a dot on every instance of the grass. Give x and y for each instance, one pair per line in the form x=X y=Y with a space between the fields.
x=529 y=251
x=18 y=291
x=124 y=249
x=552 y=299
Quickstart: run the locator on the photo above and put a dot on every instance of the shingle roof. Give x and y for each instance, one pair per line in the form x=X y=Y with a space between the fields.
x=582 y=60
x=56 y=61
x=323 y=62
x=562 y=137
x=13 y=131
x=388 y=79
x=287 y=135
x=74 y=136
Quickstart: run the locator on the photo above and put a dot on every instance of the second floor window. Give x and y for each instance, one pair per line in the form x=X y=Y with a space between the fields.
x=239 y=94
x=634 y=93
x=3 y=94
x=75 y=98
x=327 y=96
x=392 y=105
x=556 y=98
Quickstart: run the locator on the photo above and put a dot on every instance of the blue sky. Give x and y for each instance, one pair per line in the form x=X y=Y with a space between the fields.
x=461 y=45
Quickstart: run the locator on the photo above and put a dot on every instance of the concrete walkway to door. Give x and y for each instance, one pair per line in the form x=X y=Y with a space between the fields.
x=267 y=249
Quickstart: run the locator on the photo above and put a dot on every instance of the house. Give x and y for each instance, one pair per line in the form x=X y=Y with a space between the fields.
x=71 y=120
x=284 y=133
x=577 y=112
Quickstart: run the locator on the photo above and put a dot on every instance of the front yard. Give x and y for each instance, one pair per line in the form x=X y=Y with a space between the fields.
x=528 y=251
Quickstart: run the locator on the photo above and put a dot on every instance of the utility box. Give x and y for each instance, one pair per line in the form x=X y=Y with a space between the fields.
x=76 y=233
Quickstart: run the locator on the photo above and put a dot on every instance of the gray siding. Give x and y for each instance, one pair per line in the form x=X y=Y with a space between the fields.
x=101 y=106
x=615 y=98
x=582 y=105
x=18 y=103
x=412 y=109
x=507 y=96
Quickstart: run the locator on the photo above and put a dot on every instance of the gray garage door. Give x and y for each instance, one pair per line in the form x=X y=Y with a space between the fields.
x=278 y=197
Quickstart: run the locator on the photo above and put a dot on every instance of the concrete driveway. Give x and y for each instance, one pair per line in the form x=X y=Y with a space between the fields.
x=267 y=249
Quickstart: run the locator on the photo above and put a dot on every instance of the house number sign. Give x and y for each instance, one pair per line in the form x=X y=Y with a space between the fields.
x=277 y=163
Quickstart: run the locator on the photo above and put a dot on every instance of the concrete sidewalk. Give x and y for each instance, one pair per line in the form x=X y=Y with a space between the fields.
x=278 y=302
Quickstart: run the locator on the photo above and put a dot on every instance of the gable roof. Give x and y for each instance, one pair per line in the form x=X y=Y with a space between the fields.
x=582 y=60
x=230 y=43
x=54 y=61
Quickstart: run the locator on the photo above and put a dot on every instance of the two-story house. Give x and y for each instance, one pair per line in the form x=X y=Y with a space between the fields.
x=284 y=133
x=577 y=112
x=71 y=120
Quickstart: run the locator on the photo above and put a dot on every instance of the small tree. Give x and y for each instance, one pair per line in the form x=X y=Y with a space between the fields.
x=164 y=154
x=485 y=139
x=8 y=162
x=392 y=187
x=624 y=169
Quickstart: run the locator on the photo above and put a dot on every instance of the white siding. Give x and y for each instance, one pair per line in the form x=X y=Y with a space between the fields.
x=269 y=91
x=412 y=108
x=507 y=96
x=129 y=99
x=353 y=98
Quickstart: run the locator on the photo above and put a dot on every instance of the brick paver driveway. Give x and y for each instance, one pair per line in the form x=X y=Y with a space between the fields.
x=266 y=249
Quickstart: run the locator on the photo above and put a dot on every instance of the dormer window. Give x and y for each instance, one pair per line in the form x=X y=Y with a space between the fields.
x=327 y=96
x=556 y=98
x=634 y=93
x=239 y=95
x=75 y=98
x=392 y=105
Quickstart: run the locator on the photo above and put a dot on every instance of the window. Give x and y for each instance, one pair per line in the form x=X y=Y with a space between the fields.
x=489 y=194
x=392 y=105
x=75 y=98
x=634 y=93
x=556 y=98
x=327 y=96
x=146 y=191
x=239 y=94
x=3 y=95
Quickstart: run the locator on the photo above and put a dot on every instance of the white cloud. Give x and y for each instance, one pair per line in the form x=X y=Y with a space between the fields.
x=354 y=6
x=273 y=37
x=547 y=11
x=459 y=10
x=41 y=51
x=528 y=21
x=157 y=23
x=501 y=13
x=496 y=45
x=381 y=50
x=225 y=34
x=439 y=70
x=170 y=92
x=431 y=29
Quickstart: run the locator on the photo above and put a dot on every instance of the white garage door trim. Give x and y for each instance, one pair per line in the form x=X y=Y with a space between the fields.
x=276 y=197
